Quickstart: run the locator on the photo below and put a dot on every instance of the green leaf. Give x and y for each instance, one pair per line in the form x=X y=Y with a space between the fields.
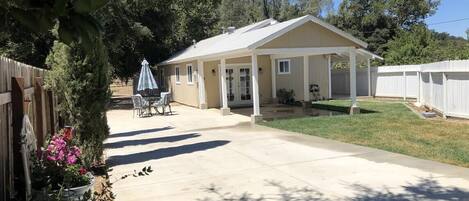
x=66 y=34
x=86 y=6
x=60 y=7
x=36 y=20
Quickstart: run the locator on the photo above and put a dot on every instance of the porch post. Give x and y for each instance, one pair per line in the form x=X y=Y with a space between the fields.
x=329 y=67
x=306 y=98
x=201 y=81
x=368 y=63
x=256 y=116
x=225 y=110
x=274 y=80
x=354 y=109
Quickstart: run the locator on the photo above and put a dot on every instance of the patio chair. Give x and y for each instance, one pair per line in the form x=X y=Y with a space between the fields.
x=163 y=103
x=139 y=104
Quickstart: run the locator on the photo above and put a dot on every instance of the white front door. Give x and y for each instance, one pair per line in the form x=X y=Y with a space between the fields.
x=239 y=85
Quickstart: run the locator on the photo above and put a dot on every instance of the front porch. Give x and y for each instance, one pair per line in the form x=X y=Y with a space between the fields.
x=304 y=73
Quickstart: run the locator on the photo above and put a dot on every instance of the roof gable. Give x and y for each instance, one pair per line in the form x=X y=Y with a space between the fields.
x=250 y=37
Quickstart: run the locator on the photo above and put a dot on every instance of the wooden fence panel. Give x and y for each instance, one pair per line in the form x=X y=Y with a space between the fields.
x=36 y=103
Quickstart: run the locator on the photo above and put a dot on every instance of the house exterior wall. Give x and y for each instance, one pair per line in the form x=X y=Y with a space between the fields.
x=183 y=92
x=318 y=74
x=309 y=34
x=212 y=90
x=293 y=81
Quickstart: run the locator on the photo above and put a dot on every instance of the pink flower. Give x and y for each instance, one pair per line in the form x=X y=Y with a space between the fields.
x=71 y=159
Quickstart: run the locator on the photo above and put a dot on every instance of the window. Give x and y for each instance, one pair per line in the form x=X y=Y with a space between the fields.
x=178 y=78
x=189 y=74
x=284 y=66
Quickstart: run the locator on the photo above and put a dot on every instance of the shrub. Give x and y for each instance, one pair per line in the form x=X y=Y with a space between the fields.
x=286 y=96
x=80 y=79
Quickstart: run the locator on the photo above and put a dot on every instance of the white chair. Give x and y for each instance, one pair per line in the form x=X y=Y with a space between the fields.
x=163 y=103
x=139 y=104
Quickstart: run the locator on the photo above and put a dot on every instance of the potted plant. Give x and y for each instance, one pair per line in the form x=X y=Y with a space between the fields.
x=58 y=171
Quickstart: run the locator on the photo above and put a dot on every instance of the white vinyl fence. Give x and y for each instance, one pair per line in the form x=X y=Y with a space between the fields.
x=442 y=86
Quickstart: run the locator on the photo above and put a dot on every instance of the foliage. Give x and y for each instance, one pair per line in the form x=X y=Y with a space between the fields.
x=286 y=96
x=80 y=79
x=18 y=43
x=59 y=165
x=378 y=21
x=76 y=25
x=412 y=47
x=420 y=45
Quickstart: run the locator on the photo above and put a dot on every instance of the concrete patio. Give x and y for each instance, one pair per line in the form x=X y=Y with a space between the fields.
x=201 y=155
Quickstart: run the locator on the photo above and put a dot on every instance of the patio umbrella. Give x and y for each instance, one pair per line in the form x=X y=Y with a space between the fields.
x=146 y=80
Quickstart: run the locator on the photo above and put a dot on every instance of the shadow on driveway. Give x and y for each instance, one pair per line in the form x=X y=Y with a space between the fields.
x=164 y=152
x=138 y=132
x=174 y=138
x=425 y=189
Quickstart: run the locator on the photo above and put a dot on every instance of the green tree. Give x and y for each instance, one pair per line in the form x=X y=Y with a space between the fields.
x=378 y=21
x=80 y=78
x=315 y=7
x=416 y=46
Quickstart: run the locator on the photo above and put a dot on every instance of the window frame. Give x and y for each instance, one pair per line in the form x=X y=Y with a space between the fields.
x=177 y=72
x=190 y=78
x=288 y=61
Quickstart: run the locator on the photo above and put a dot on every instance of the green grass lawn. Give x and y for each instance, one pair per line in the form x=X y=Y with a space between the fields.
x=388 y=126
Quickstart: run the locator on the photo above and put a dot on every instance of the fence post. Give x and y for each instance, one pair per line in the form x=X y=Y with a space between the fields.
x=39 y=103
x=17 y=104
x=50 y=98
x=404 y=76
x=445 y=96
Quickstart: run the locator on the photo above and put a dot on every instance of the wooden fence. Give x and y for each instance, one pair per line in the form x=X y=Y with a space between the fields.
x=21 y=93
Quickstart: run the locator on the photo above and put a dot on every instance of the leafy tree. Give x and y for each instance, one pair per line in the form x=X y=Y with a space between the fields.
x=17 y=42
x=315 y=7
x=80 y=78
x=378 y=21
x=415 y=46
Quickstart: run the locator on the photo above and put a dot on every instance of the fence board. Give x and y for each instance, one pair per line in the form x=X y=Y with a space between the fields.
x=8 y=69
x=389 y=81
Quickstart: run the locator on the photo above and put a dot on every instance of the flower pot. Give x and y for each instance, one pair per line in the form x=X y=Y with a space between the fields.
x=76 y=193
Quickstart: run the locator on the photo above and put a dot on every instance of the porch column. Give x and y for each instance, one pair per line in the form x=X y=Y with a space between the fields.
x=274 y=80
x=256 y=116
x=329 y=68
x=201 y=81
x=225 y=110
x=354 y=109
x=306 y=98
x=368 y=63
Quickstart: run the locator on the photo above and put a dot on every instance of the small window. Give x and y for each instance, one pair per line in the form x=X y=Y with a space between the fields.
x=178 y=78
x=189 y=74
x=284 y=66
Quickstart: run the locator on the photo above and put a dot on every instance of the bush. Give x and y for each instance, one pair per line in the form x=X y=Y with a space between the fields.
x=286 y=96
x=80 y=79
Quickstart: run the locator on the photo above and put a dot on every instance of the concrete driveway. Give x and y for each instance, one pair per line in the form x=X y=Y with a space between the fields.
x=200 y=155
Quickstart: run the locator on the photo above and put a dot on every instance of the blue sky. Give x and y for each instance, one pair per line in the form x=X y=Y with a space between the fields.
x=447 y=11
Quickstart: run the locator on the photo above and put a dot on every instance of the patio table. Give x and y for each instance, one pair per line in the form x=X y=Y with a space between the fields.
x=151 y=100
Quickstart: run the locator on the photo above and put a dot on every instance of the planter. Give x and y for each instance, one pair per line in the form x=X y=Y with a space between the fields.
x=76 y=193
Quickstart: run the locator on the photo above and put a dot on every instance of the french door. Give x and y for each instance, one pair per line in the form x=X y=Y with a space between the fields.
x=239 y=85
